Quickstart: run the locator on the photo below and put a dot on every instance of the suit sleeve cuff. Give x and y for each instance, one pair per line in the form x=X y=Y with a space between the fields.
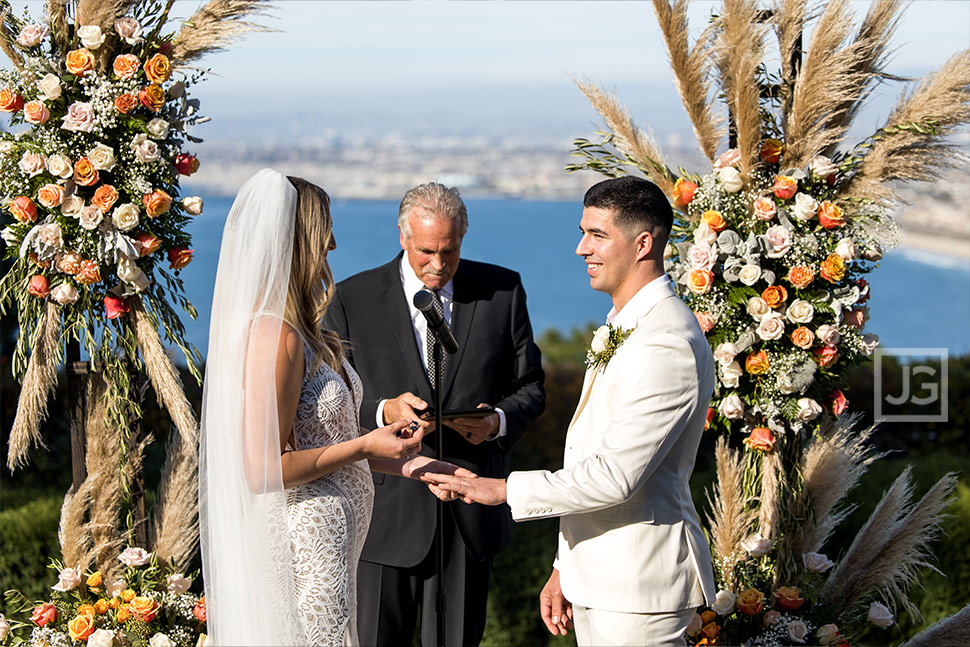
x=380 y=413
x=502 y=427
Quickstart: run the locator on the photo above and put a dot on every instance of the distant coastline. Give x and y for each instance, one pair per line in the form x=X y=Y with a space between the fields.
x=952 y=245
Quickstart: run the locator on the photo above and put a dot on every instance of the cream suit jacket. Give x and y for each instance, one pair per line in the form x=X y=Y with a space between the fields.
x=629 y=537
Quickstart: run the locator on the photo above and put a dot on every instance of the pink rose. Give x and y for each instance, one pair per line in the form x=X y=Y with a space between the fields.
x=64 y=294
x=79 y=118
x=823 y=167
x=779 y=241
x=730 y=157
x=706 y=321
x=129 y=29
x=764 y=208
x=828 y=335
x=702 y=256
x=35 y=112
x=32 y=164
x=31 y=35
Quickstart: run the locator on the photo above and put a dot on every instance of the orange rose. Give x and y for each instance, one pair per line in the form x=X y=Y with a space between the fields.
x=706 y=321
x=44 y=614
x=84 y=172
x=708 y=617
x=803 y=337
x=760 y=439
x=771 y=150
x=39 y=286
x=156 y=203
x=152 y=97
x=114 y=603
x=23 y=209
x=774 y=296
x=125 y=66
x=785 y=187
x=149 y=244
x=709 y=419
x=81 y=627
x=101 y=607
x=94 y=579
x=70 y=263
x=789 y=597
x=714 y=220
x=199 y=610
x=751 y=601
x=50 y=195
x=757 y=363
x=86 y=610
x=125 y=103
x=179 y=257
x=832 y=268
x=128 y=595
x=825 y=356
x=700 y=281
x=710 y=630
x=36 y=112
x=158 y=68
x=123 y=613
x=79 y=62
x=143 y=608
x=683 y=192
x=88 y=272
x=105 y=197
x=10 y=101
x=801 y=276
x=830 y=215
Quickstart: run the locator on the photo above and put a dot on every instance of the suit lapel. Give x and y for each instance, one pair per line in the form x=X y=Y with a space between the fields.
x=584 y=397
x=462 y=315
x=400 y=320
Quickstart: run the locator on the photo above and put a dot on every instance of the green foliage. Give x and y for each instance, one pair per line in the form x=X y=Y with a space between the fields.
x=28 y=537
x=565 y=349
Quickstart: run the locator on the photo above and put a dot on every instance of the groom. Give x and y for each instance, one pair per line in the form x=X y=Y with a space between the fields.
x=632 y=563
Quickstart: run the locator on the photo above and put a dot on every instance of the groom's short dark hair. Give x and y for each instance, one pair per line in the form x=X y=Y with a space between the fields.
x=637 y=204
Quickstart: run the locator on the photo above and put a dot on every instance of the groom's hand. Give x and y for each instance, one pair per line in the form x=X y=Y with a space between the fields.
x=556 y=610
x=477 y=490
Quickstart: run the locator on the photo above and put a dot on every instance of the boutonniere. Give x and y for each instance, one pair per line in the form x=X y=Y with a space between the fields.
x=606 y=339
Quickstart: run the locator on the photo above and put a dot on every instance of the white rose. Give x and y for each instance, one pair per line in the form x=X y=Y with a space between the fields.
x=872 y=252
x=800 y=311
x=178 y=583
x=725 y=352
x=779 y=241
x=125 y=217
x=730 y=179
x=750 y=274
x=91 y=217
x=33 y=164
x=772 y=326
x=817 y=562
x=60 y=166
x=134 y=556
x=695 y=625
x=31 y=35
x=102 y=157
x=50 y=87
x=704 y=234
x=757 y=308
x=4 y=627
x=797 y=631
x=601 y=337
x=808 y=409
x=160 y=640
x=193 y=205
x=145 y=149
x=157 y=128
x=91 y=36
x=756 y=545
x=68 y=579
x=8 y=236
x=115 y=588
x=101 y=638
x=724 y=603
x=71 y=206
x=129 y=29
x=7 y=147
x=822 y=167
x=805 y=207
x=49 y=235
x=828 y=335
x=869 y=343
x=732 y=408
x=880 y=615
x=79 y=117
x=847 y=249
x=702 y=256
x=131 y=274
x=64 y=294
x=730 y=374
x=828 y=634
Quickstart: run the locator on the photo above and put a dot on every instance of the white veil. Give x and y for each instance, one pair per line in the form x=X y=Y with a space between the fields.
x=242 y=506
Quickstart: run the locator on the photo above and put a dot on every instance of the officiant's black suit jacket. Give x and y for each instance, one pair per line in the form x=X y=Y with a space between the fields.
x=497 y=363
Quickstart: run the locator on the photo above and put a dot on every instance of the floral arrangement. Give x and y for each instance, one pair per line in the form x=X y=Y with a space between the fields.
x=606 y=339
x=770 y=248
x=141 y=607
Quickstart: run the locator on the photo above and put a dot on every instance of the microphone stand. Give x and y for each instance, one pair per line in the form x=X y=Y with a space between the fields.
x=440 y=611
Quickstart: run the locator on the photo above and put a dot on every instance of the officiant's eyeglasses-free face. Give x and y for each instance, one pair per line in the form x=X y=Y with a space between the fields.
x=609 y=253
x=433 y=249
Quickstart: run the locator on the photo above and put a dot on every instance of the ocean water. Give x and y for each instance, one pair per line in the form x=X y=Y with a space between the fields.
x=919 y=299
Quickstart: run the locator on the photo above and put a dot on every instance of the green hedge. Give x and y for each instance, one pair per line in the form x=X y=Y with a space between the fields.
x=28 y=539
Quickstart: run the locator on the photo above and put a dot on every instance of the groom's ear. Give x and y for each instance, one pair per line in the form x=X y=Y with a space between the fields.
x=645 y=243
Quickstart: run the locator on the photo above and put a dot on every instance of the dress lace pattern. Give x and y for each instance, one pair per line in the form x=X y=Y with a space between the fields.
x=328 y=518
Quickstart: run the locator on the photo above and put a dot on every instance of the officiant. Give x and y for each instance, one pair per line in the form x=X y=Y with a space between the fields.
x=497 y=364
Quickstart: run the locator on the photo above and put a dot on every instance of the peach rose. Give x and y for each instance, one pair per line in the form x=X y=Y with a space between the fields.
x=69 y=263
x=775 y=296
x=832 y=268
x=803 y=337
x=88 y=272
x=179 y=257
x=771 y=150
x=825 y=356
x=156 y=203
x=23 y=209
x=126 y=66
x=39 y=286
x=764 y=208
x=51 y=195
x=84 y=172
x=751 y=601
x=125 y=103
x=36 y=112
x=828 y=634
x=713 y=219
x=79 y=62
x=43 y=614
x=158 y=68
x=706 y=321
x=771 y=618
x=105 y=197
x=801 y=276
x=683 y=192
x=730 y=157
x=141 y=607
x=837 y=403
x=710 y=630
x=700 y=281
x=10 y=101
x=789 y=597
x=830 y=215
x=757 y=363
x=148 y=244
x=784 y=187
x=152 y=97
x=760 y=439
x=199 y=609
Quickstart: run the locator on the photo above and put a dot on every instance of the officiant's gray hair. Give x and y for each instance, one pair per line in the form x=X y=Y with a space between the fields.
x=435 y=201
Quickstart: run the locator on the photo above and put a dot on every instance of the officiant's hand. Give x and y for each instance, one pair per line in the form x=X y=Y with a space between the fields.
x=555 y=609
x=407 y=406
x=477 y=490
x=420 y=465
x=476 y=430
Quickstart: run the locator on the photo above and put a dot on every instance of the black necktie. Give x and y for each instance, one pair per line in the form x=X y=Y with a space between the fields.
x=430 y=343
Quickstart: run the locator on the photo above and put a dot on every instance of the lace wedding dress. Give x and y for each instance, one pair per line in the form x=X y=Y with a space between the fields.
x=329 y=517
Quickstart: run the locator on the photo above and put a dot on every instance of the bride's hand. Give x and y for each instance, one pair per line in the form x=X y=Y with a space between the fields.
x=384 y=442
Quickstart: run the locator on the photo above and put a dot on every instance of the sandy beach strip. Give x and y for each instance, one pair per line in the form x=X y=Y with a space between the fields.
x=948 y=244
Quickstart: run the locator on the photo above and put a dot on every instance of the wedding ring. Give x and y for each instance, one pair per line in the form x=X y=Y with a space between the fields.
x=468 y=435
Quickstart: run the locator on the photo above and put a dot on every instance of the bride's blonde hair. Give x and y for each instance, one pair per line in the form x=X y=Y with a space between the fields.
x=311 y=286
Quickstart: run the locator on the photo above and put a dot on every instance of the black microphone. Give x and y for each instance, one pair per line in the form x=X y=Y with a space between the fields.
x=424 y=301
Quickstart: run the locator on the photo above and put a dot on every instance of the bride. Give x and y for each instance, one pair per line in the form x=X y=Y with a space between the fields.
x=285 y=488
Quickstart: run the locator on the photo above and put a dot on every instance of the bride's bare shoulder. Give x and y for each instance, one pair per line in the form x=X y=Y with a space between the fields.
x=270 y=333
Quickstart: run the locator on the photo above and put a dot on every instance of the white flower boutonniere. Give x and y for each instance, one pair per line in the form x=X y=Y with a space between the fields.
x=606 y=339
